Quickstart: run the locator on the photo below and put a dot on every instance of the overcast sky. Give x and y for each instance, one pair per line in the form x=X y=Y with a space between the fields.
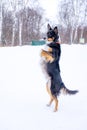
x=51 y=8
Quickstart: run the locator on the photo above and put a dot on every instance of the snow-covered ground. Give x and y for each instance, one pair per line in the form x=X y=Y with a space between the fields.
x=23 y=97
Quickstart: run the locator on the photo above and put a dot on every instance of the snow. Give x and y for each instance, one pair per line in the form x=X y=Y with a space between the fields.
x=23 y=96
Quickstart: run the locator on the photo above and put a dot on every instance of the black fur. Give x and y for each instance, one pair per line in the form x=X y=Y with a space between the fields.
x=53 y=33
x=53 y=68
x=54 y=72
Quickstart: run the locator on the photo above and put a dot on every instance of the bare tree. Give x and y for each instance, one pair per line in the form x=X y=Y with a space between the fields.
x=20 y=23
x=72 y=15
x=67 y=16
x=1 y=19
x=31 y=25
x=83 y=13
x=7 y=27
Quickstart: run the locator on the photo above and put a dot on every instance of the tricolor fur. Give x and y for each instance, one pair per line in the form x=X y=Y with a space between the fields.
x=51 y=68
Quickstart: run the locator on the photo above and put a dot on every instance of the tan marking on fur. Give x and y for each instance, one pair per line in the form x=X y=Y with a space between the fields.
x=52 y=98
x=48 y=57
x=56 y=104
x=50 y=39
x=49 y=49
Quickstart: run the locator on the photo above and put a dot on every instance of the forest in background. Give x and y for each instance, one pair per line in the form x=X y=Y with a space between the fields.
x=21 y=21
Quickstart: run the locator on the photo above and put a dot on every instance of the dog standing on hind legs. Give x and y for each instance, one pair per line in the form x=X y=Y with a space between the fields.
x=54 y=84
x=50 y=65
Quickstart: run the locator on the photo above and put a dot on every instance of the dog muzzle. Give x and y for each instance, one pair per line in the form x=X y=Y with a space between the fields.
x=50 y=39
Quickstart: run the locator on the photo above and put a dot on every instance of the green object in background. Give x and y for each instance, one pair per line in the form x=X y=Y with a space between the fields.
x=82 y=40
x=35 y=43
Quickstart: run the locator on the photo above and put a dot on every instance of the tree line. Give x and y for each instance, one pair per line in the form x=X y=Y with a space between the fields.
x=21 y=21
x=73 y=19
x=19 y=25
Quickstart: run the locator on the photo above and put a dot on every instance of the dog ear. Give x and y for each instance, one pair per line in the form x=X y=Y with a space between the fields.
x=56 y=30
x=49 y=27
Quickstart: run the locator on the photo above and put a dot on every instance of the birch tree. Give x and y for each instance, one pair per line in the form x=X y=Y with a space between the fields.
x=20 y=23
x=73 y=15
x=1 y=19
x=83 y=13
x=20 y=20
x=14 y=10
x=67 y=16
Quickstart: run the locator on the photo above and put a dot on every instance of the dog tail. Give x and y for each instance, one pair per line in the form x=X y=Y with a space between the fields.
x=67 y=91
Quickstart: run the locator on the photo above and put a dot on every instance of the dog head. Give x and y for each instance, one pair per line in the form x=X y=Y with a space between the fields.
x=53 y=50
x=52 y=34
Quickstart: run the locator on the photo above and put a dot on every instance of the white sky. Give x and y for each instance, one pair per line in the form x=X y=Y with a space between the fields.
x=51 y=8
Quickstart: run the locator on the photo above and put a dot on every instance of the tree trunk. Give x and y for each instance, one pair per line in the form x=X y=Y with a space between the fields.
x=1 y=18
x=13 y=35
x=71 y=36
x=82 y=30
x=75 y=36
x=14 y=28
x=20 y=32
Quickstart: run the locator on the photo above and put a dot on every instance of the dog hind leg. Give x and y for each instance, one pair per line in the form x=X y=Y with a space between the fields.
x=50 y=102
x=49 y=92
x=56 y=103
x=52 y=98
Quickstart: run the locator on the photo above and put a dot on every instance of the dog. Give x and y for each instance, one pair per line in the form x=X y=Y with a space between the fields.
x=50 y=58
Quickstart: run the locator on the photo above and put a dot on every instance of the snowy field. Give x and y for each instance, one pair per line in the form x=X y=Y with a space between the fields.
x=23 y=96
